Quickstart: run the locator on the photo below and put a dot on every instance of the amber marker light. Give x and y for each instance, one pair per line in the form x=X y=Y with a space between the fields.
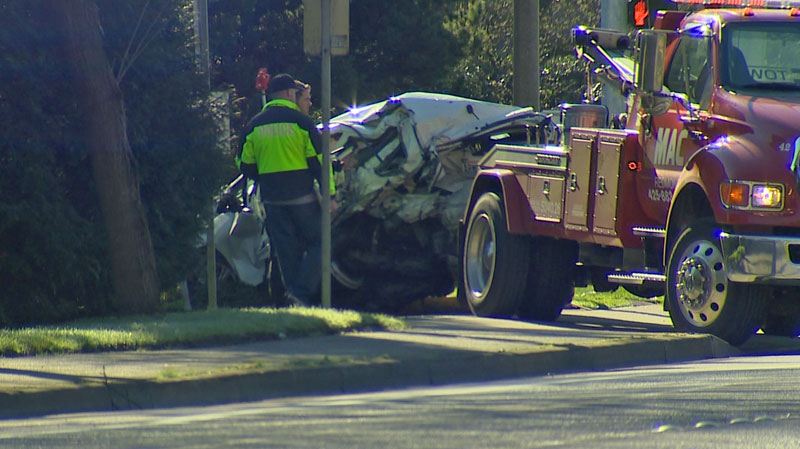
x=735 y=194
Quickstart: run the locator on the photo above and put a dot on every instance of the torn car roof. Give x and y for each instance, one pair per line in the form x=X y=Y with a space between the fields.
x=435 y=116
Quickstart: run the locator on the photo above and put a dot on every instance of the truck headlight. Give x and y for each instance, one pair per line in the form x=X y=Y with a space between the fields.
x=770 y=196
x=751 y=195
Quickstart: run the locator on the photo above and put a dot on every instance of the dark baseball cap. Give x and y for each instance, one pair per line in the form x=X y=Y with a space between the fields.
x=281 y=82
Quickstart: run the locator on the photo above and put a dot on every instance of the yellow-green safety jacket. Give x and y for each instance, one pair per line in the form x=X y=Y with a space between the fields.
x=282 y=151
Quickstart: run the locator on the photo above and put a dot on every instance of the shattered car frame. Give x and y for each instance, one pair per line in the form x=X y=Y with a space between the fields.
x=406 y=168
x=403 y=171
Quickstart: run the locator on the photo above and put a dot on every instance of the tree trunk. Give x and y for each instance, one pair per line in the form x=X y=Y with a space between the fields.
x=133 y=267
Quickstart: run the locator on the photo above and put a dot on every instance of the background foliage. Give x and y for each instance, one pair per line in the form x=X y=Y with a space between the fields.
x=52 y=244
x=485 y=30
x=461 y=47
x=49 y=229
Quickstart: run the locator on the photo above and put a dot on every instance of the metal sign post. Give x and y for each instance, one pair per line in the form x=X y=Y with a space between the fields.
x=322 y=20
x=326 y=153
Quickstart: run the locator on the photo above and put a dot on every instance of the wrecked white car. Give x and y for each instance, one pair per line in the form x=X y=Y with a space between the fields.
x=404 y=168
x=407 y=165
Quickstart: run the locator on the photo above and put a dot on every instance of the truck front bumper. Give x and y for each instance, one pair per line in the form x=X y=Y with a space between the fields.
x=761 y=259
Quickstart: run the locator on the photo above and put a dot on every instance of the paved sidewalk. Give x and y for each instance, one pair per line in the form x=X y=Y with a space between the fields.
x=435 y=350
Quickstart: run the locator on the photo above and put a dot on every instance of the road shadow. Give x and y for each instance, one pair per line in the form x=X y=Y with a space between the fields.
x=634 y=320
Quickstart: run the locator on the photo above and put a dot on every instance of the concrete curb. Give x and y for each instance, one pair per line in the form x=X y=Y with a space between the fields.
x=445 y=368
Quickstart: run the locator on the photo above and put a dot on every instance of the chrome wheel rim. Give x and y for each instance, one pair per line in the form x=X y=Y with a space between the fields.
x=479 y=254
x=701 y=284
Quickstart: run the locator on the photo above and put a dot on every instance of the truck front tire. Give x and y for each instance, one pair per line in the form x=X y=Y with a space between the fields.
x=699 y=296
x=782 y=317
x=494 y=263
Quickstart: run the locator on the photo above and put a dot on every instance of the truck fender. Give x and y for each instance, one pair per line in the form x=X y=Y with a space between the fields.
x=515 y=201
x=697 y=193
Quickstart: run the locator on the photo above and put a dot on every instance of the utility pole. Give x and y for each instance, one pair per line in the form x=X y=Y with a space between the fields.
x=613 y=16
x=526 y=53
x=204 y=64
x=201 y=36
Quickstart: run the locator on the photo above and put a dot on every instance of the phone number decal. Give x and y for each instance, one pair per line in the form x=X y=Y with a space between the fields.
x=660 y=195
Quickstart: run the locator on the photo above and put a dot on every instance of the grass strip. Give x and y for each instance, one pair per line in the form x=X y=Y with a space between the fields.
x=187 y=329
x=587 y=298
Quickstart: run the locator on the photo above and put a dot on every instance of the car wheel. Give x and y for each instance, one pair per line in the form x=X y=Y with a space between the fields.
x=699 y=296
x=494 y=262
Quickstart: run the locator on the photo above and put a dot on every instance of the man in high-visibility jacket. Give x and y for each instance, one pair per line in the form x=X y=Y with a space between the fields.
x=282 y=152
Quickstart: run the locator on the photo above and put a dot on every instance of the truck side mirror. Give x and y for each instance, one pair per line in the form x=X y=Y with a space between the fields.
x=649 y=56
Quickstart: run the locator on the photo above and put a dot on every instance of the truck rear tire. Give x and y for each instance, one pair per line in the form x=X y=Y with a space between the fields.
x=550 y=279
x=494 y=263
x=699 y=296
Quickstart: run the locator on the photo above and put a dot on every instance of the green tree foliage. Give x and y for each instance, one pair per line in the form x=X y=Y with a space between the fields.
x=50 y=250
x=394 y=47
x=53 y=259
x=485 y=30
x=563 y=75
x=171 y=127
x=462 y=47
x=245 y=35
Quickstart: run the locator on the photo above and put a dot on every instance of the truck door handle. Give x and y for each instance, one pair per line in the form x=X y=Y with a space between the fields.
x=573 y=182
x=601 y=185
x=546 y=188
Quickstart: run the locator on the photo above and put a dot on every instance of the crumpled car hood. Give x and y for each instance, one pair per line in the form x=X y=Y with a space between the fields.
x=423 y=144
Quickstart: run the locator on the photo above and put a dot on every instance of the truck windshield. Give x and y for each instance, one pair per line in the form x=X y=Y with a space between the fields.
x=761 y=56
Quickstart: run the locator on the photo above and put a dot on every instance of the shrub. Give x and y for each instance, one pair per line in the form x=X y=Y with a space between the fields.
x=53 y=251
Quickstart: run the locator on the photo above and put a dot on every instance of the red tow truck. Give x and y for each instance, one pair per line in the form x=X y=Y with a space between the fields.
x=690 y=191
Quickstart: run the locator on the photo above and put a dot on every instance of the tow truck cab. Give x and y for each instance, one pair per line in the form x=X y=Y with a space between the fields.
x=736 y=138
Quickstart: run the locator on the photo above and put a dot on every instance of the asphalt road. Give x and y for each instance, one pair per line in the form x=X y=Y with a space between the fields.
x=745 y=402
